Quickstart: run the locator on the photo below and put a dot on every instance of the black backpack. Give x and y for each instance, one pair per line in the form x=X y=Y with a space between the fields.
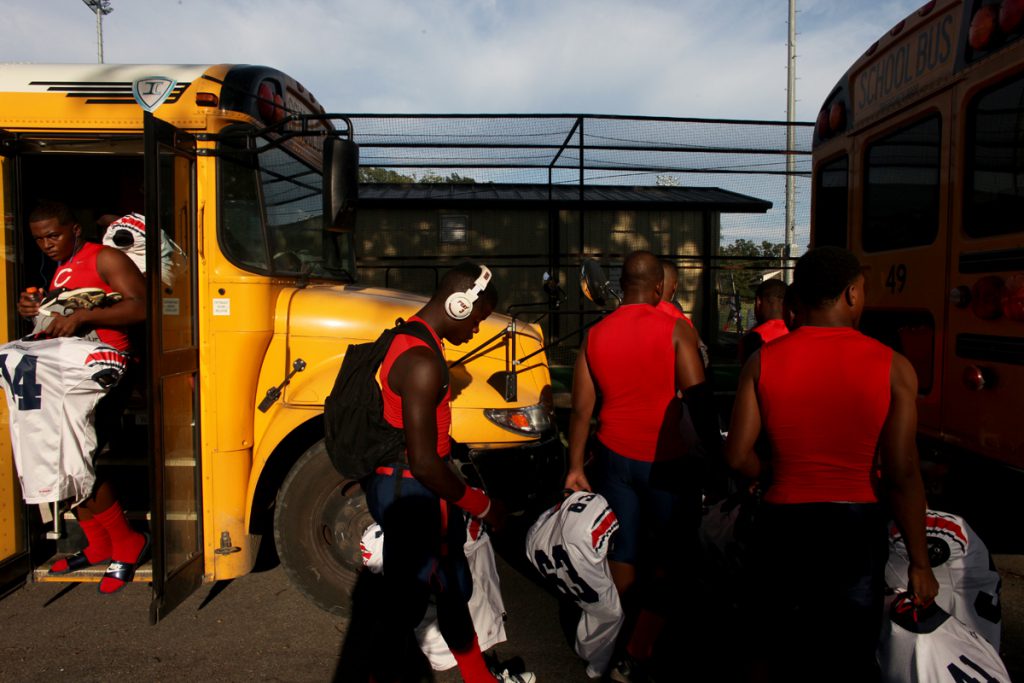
x=357 y=436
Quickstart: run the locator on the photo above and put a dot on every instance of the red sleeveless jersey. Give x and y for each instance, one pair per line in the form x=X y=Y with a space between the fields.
x=669 y=308
x=632 y=360
x=80 y=271
x=771 y=329
x=824 y=395
x=393 y=402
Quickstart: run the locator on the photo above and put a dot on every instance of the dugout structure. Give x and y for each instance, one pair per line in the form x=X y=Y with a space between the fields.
x=535 y=193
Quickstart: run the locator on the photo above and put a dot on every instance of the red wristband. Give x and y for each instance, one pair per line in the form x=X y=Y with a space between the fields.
x=474 y=501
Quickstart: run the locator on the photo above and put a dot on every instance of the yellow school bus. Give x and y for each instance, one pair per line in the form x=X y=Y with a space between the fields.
x=917 y=168
x=243 y=170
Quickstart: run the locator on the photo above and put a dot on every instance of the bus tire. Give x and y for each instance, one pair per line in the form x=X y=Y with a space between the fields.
x=318 y=522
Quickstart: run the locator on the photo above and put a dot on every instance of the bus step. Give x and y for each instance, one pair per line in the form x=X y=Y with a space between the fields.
x=109 y=459
x=141 y=516
x=91 y=574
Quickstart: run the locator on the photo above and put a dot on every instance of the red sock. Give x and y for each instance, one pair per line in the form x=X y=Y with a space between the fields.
x=97 y=550
x=127 y=544
x=472 y=665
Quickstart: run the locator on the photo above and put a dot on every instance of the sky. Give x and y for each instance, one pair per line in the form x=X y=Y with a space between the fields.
x=719 y=58
x=675 y=58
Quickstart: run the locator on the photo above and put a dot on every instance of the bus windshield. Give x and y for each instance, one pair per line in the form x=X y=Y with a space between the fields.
x=271 y=213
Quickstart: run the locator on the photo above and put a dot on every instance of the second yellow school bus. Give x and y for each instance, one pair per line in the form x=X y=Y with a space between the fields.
x=918 y=169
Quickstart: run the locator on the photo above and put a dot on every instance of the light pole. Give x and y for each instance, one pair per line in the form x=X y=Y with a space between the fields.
x=790 y=144
x=100 y=7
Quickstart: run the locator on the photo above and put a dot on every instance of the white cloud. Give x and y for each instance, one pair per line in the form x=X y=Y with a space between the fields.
x=656 y=57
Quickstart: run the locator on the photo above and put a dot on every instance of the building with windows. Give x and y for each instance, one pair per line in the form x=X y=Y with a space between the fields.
x=408 y=234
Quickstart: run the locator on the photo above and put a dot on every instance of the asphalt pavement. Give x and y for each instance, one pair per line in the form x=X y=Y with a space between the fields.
x=259 y=628
x=253 y=628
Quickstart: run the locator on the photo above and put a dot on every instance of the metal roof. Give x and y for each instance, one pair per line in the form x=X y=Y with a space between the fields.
x=480 y=195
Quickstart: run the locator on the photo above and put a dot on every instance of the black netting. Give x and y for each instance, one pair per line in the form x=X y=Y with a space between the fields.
x=753 y=159
x=747 y=157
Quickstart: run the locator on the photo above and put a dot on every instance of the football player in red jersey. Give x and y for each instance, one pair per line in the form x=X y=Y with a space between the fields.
x=829 y=399
x=85 y=264
x=641 y=361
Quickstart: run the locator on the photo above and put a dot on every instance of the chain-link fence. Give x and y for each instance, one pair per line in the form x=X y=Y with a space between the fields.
x=723 y=250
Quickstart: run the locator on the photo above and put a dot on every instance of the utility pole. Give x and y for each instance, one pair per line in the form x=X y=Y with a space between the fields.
x=790 y=146
x=101 y=8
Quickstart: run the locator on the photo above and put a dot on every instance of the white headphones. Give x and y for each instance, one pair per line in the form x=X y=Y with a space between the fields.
x=459 y=305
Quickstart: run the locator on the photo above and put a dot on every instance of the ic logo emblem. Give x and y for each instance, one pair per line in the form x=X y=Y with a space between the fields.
x=153 y=91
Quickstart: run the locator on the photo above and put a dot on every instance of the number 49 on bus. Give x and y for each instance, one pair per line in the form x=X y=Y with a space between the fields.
x=896 y=280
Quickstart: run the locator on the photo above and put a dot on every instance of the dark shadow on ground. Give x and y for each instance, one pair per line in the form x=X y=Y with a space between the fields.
x=266 y=556
x=355 y=659
x=215 y=590
x=986 y=495
x=63 y=591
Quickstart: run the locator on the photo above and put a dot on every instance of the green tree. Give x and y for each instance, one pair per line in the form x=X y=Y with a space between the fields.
x=451 y=179
x=748 y=262
x=374 y=174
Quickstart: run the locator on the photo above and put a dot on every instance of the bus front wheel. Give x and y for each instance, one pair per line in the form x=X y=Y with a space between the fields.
x=318 y=522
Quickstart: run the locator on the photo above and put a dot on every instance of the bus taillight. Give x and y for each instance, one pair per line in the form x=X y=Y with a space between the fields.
x=983 y=27
x=987 y=297
x=1011 y=13
x=837 y=117
x=831 y=119
x=822 y=123
x=1013 y=297
x=270 y=103
x=265 y=101
x=992 y=297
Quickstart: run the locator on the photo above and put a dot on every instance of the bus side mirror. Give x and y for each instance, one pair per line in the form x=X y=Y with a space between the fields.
x=341 y=184
x=594 y=284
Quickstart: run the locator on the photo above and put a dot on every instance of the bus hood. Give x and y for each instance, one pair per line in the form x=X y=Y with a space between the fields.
x=319 y=323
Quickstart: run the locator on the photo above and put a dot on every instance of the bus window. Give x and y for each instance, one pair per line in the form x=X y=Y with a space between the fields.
x=994 y=196
x=294 y=206
x=831 y=185
x=241 y=231
x=293 y=200
x=901 y=193
x=259 y=180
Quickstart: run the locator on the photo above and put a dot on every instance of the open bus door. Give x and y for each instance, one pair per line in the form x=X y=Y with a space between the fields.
x=173 y=365
x=15 y=561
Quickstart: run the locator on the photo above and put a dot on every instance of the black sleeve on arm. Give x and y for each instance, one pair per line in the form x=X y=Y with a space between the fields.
x=700 y=404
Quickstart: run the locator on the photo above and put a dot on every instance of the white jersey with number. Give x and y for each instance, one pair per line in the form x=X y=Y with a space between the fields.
x=52 y=387
x=486 y=606
x=969 y=584
x=568 y=545
x=935 y=647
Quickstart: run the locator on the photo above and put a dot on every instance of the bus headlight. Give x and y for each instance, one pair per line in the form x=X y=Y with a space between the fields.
x=526 y=421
